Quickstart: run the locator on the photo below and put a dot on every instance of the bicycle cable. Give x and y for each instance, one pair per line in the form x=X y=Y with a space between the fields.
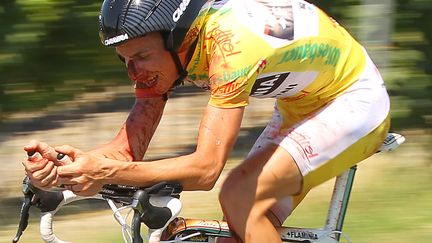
x=126 y=229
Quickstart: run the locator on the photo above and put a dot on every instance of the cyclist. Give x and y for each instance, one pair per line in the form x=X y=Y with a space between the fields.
x=331 y=106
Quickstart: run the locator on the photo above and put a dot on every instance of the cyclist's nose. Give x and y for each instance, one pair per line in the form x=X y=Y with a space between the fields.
x=135 y=71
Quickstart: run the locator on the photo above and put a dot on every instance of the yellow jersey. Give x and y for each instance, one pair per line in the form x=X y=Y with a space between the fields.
x=288 y=50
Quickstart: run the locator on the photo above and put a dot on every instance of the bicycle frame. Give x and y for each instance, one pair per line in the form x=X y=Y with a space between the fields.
x=158 y=207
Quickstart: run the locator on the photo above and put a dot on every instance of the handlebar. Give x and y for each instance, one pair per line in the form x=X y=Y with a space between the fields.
x=154 y=206
x=46 y=218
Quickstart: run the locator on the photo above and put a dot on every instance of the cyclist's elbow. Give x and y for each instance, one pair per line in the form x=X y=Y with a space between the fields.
x=204 y=181
x=209 y=183
x=207 y=169
x=209 y=176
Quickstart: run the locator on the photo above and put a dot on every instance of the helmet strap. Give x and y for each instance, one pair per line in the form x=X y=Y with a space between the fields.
x=180 y=69
x=183 y=73
x=168 y=38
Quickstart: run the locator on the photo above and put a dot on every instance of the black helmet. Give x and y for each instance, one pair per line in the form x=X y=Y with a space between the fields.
x=121 y=20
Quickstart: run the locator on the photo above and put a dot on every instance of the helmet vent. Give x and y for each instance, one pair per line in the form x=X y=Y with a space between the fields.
x=127 y=10
x=152 y=9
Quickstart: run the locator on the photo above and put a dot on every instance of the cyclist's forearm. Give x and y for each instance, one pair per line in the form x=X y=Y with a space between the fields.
x=117 y=149
x=192 y=171
x=132 y=141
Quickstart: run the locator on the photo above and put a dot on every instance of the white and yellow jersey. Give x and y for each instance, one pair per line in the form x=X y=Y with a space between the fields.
x=284 y=49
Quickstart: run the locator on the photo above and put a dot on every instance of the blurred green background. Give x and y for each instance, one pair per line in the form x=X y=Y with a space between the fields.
x=55 y=74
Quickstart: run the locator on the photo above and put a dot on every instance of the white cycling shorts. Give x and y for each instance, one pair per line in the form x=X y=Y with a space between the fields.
x=319 y=140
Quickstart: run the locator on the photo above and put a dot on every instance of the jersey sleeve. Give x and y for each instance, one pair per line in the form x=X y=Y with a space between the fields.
x=231 y=88
x=233 y=63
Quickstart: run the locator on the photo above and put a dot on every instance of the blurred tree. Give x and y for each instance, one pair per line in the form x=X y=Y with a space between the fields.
x=50 y=51
x=412 y=63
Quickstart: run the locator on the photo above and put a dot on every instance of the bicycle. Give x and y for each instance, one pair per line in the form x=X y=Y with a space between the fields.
x=158 y=208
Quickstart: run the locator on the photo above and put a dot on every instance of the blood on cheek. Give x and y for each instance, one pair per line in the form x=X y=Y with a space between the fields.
x=133 y=70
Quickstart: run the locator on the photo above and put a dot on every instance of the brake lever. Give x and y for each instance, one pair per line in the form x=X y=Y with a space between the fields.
x=25 y=208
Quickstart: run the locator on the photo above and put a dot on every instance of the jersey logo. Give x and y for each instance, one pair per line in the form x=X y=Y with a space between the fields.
x=116 y=39
x=281 y=85
x=263 y=87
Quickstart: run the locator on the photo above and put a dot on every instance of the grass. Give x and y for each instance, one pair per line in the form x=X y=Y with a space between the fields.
x=397 y=206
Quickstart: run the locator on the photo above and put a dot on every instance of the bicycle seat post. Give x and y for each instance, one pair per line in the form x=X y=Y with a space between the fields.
x=339 y=201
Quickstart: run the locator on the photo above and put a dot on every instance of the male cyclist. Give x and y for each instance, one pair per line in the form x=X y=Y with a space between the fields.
x=331 y=107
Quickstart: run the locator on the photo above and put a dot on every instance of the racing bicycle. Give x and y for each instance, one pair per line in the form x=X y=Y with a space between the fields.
x=158 y=207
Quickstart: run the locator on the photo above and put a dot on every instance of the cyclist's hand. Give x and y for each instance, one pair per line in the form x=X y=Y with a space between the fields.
x=40 y=164
x=86 y=175
x=42 y=148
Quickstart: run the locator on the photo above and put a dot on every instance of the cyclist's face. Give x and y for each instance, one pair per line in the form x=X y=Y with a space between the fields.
x=149 y=62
